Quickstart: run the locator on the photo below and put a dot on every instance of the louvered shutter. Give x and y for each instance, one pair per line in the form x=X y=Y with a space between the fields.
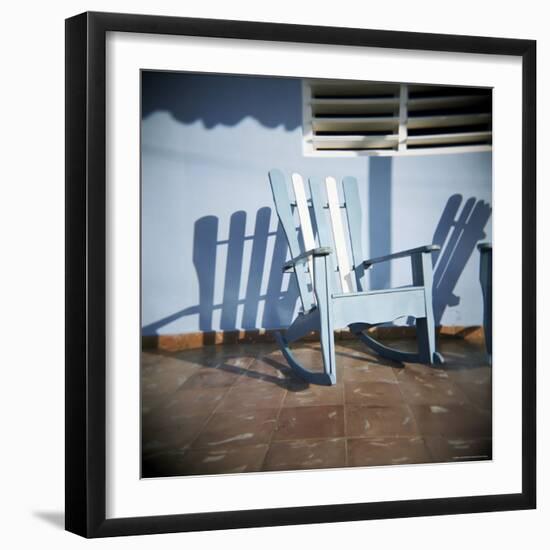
x=352 y=117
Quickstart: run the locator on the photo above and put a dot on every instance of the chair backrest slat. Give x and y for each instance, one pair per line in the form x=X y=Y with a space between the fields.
x=344 y=266
x=303 y=215
x=353 y=209
x=284 y=212
x=324 y=235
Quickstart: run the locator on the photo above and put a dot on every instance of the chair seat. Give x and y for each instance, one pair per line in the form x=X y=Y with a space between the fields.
x=373 y=292
x=378 y=306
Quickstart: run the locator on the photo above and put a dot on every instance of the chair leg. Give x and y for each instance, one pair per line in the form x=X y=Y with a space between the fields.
x=321 y=378
x=317 y=319
x=425 y=326
x=323 y=295
x=425 y=333
x=327 y=350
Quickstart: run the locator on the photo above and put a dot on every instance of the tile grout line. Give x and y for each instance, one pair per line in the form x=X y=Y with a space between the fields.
x=268 y=446
x=273 y=432
x=415 y=420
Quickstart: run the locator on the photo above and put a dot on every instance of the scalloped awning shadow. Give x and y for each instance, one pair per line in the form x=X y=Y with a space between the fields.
x=224 y=100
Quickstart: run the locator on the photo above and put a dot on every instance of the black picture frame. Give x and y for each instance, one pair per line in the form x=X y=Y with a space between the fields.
x=86 y=268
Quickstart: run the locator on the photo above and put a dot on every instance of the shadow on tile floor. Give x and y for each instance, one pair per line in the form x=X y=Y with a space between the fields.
x=240 y=408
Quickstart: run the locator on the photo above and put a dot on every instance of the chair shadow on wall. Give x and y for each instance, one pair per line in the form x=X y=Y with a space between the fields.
x=279 y=303
x=460 y=228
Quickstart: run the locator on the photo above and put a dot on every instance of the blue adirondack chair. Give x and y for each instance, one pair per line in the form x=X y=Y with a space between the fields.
x=331 y=281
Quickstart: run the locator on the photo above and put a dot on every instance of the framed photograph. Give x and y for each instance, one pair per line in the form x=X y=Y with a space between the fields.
x=300 y=274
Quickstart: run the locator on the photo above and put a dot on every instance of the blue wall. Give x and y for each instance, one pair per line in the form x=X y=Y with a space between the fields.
x=208 y=142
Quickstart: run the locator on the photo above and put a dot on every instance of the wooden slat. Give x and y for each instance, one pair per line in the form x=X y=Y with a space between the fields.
x=284 y=211
x=441 y=90
x=355 y=142
x=343 y=88
x=416 y=88
x=324 y=234
x=345 y=105
x=349 y=124
x=464 y=137
x=344 y=266
x=443 y=102
x=442 y=121
x=403 y=115
x=303 y=215
x=353 y=210
x=412 y=150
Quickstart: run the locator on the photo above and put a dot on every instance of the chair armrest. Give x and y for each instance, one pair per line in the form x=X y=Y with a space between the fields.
x=321 y=251
x=420 y=250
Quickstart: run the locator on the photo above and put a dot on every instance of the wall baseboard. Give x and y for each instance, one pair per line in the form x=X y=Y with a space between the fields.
x=193 y=340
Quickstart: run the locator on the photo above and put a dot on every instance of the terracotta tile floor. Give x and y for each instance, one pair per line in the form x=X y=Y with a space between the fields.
x=239 y=408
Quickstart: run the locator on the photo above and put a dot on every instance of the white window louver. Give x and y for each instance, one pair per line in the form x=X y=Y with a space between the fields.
x=373 y=118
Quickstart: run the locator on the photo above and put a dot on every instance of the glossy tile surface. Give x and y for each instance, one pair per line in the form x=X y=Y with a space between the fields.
x=239 y=408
